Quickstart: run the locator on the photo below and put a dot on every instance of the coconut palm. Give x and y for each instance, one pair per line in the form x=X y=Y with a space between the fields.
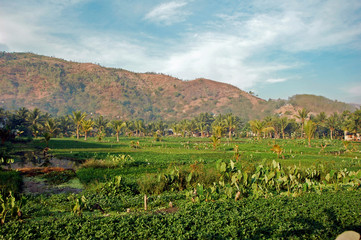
x=139 y=127
x=201 y=126
x=100 y=123
x=257 y=127
x=35 y=119
x=218 y=129
x=87 y=126
x=78 y=118
x=65 y=125
x=118 y=125
x=310 y=128
x=302 y=115
x=21 y=117
x=230 y=123
x=332 y=123
x=51 y=127
x=283 y=125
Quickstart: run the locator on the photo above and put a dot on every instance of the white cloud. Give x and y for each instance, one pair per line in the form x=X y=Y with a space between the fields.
x=235 y=50
x=276 y=80
x=168 y=13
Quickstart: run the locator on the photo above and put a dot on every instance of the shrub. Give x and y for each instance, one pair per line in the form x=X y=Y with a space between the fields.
x=59 y=177
x=10 y=181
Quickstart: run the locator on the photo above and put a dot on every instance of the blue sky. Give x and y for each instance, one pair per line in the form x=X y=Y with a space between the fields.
x=271 y=47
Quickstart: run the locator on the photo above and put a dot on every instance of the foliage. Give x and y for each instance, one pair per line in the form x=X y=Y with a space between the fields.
x=110 y=161
x=10 y=181
x=57 y=178
x=79 y=204
x=117 y=186
x=10 y=207
x=311 y=216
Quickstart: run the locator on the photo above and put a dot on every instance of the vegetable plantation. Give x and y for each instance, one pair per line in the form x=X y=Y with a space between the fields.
x=184 y=188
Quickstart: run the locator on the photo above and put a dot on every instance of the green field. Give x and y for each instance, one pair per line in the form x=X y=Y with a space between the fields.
x=240 y=189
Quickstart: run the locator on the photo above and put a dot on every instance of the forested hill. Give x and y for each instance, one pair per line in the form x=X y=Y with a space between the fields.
x=60 y=87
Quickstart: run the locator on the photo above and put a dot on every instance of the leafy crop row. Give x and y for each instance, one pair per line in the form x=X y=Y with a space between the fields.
x=311 y=216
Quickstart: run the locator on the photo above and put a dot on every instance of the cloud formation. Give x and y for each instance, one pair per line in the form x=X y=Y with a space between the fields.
x=168 y=13
x=276 y=80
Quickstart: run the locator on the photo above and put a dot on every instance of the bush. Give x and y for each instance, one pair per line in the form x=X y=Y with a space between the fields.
x=59 y=177
x=110 y=161
x=10 y=181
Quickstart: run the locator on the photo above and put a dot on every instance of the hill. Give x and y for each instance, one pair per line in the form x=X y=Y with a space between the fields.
x=60 y=87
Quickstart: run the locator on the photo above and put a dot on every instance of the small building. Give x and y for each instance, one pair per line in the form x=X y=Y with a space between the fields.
x=352 y=136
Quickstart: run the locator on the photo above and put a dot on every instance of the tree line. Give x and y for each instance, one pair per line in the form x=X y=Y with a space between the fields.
x=35 y=123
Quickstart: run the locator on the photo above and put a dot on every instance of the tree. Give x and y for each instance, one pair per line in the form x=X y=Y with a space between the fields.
x=87 y=126
x=35 y=119
x=218 y=129
x=259 y=127
x=201 y=126
x=283 y=125
x=51 y=127
x=354 y=123
x=65 y=125
x=78 y=118
x=139 y=127
x=100 y=124
x=310 y=128
x=332 y=123
x=302 y=115
x=117 y=125
x=231 y=125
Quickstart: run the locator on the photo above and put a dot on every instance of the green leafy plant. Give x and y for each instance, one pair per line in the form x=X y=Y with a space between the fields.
x=79 y=204
x=10 y=207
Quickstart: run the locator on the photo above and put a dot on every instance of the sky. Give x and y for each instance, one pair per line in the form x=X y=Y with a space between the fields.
x=274 y=48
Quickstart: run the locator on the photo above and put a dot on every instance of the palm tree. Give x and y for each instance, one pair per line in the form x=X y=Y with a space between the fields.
x=218 y=129
x=65 y=125
x=100 y=123
x=257 y=127
x=117 y=125
x=160 y=126
x=51 y=127
x=139 y=127
x=184 y=125
x=201 y=127
x=283 y=125
x=87 y=126
x=332 y=123
x=177 y=128
x=302 y=115
x=35 y=119
x=22 y=117
x=78 y=118
x=310 y=128
x=230 y=123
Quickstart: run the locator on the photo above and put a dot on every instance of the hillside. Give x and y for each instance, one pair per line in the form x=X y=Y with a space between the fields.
x=60 y=87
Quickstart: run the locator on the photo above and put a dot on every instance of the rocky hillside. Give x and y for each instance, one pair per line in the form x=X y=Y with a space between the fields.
x=60 y=87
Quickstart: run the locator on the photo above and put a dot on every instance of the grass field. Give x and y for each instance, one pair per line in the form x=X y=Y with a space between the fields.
x=307 y=192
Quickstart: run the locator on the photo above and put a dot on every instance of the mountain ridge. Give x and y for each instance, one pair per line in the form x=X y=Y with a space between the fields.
x=58 y=86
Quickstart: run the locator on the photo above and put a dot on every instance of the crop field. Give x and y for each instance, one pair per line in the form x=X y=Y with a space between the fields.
x=183 y=188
